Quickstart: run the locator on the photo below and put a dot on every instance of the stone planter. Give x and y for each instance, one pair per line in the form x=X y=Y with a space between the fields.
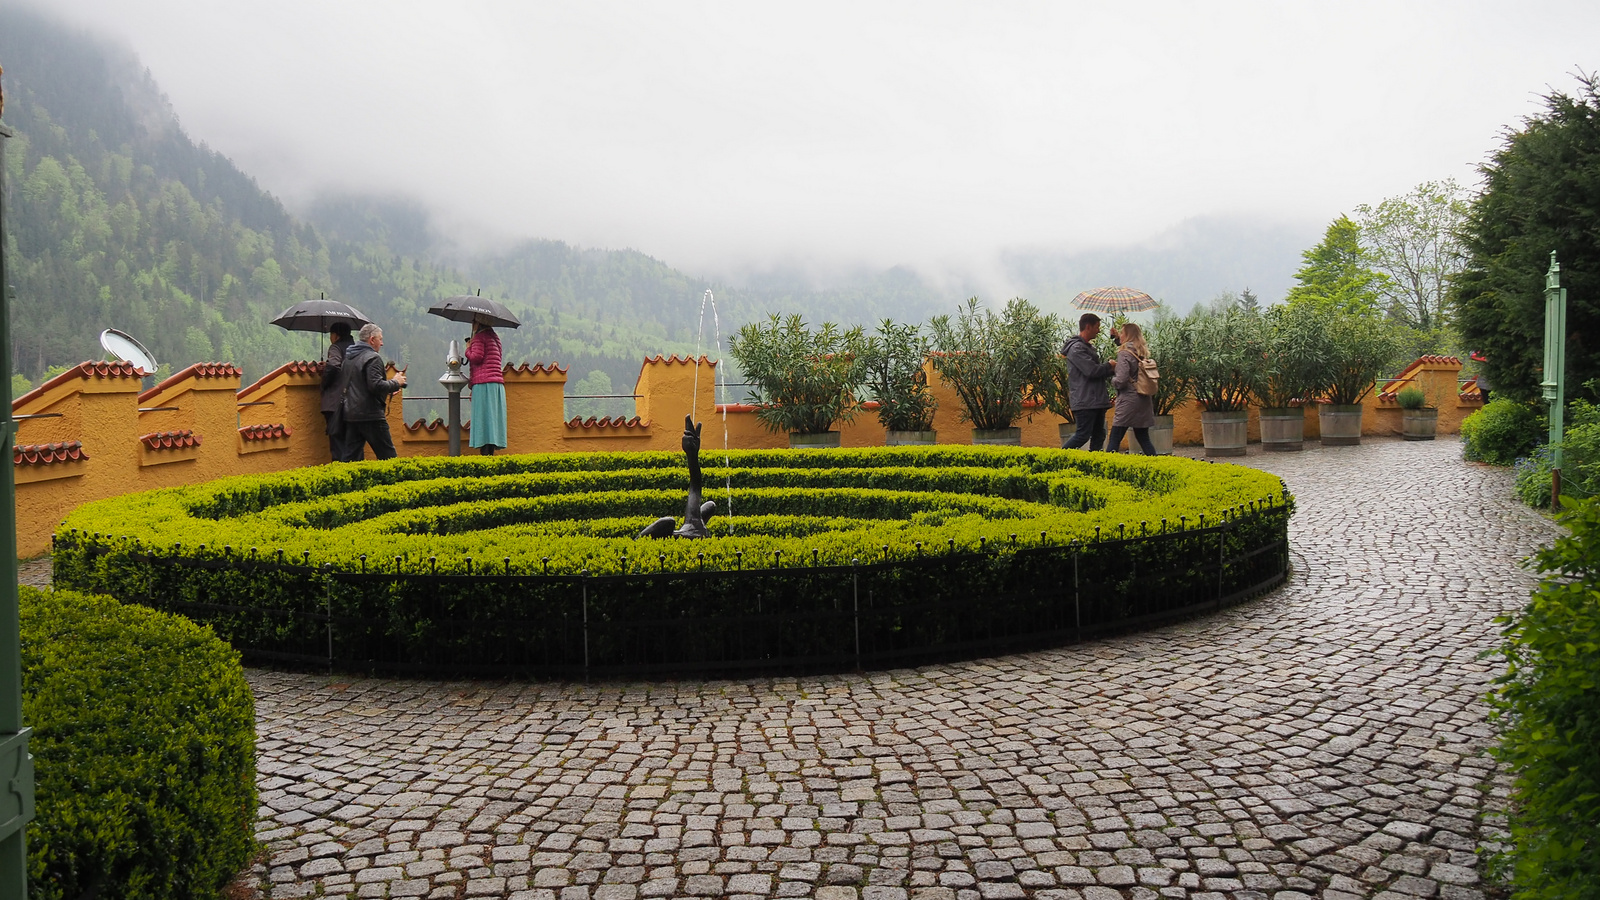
x=1283 y=429
x=1225 y=433
x=1002 y=437
x=824 y=441
x=910 y=438
x=1341 y=425
x=1067 y=430
x=1419 y=424
x=1161 y=435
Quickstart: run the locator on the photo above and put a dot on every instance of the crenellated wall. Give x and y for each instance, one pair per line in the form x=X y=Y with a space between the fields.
x=90 y=432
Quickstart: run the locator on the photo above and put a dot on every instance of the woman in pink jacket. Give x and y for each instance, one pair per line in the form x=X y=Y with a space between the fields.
x=488 y=384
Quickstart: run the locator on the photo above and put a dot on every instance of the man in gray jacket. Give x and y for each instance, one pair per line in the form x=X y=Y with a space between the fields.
x=364 y=397
x=1087 y=376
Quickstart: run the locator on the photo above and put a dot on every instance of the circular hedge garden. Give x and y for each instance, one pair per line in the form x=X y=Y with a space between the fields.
x=530 y=564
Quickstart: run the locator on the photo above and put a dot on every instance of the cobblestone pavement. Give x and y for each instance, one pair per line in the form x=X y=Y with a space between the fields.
x=1326 y=740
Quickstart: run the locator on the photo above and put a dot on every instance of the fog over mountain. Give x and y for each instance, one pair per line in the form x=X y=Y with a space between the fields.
x=1036 y=148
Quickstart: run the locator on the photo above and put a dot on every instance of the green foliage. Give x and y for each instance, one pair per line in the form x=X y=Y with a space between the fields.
x=893 y=361
x=1580 y=464
x=1411 y=398
x=1171 y=343
x=1542 y=193
x=1501 y=432
x=1359 y=348
x=1227 y=348
x=950 y=533
x=1547 y=705
x=1296 y=357
x=1414 y=242
x=994 y=363
x=589 y=392
x=20 y=385
x=144 y=752
x=1338 y=275
x=582 y=510
x=805 y=379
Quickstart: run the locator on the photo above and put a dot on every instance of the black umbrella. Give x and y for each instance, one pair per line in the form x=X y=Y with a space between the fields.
x=319 y=315
x=470 y=308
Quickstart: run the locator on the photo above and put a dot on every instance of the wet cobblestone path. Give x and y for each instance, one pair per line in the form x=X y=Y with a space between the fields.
x=1326 y=741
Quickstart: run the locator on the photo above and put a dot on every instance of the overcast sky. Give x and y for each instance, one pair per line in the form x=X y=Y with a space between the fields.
x=731 y=135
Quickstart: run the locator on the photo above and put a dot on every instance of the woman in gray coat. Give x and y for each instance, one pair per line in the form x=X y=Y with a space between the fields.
x=1133 y=409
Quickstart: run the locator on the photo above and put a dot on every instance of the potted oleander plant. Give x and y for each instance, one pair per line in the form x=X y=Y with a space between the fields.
x=1171 y=343
x=1359 y=347
x=894 y=369
x=1293 y=373
x=1419 y=420
x=1227 y=347
x=805 y=379
x=993 y=363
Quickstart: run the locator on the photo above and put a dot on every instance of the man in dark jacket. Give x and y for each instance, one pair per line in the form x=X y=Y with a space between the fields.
x=1087 y=376
x=338 y=341
x=364 y=394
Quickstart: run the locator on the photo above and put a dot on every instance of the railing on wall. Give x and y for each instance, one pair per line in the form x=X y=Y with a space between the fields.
x=397 y=616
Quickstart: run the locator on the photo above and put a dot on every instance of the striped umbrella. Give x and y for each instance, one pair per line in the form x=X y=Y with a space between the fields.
x=1114 y=299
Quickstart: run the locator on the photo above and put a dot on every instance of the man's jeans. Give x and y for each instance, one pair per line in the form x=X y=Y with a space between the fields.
x=1091 y=429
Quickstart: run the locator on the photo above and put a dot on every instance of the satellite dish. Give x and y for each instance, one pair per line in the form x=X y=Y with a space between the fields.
x=121 y=345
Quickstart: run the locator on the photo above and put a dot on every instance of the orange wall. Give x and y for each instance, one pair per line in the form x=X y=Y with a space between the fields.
x=200 y=425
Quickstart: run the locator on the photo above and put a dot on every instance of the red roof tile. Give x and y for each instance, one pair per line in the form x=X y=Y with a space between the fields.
x=680 y=360
x=536 y=368
x=44 y=454
x=198 y=370
x=90 y=369
x=170 y=440
x=604 y=422
x=264 y=432
x=435 y=425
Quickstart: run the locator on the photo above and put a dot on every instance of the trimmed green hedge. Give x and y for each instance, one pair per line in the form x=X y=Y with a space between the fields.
x=569 y=512
x=522 y=565
x=1548 y=708
x=144 y=752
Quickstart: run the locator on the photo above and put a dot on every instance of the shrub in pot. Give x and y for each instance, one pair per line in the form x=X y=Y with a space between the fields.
x=1171 y=343
x=1227 y=347
x=805 y=379
x=893 y=369
x=1359 y=347
x=993 y=363
x=1293 y=371
x=1419 y=421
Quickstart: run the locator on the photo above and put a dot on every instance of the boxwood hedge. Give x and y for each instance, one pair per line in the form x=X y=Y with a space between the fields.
x=144 y=751
x=531 y=562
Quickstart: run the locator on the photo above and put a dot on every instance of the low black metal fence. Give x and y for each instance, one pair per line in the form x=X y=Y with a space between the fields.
x=806 y=618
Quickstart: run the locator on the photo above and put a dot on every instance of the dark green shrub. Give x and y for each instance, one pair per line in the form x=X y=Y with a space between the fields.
x=1501 y=432
x=144 y=751
x=1548 y=708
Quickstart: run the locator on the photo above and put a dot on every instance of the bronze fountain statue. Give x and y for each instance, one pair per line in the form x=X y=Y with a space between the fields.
x=695 y=513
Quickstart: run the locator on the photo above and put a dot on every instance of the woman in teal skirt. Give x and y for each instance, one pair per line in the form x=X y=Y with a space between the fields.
x=488 y=384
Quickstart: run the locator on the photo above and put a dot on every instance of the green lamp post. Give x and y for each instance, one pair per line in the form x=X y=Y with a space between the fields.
x=1554 y=386
x=16 y=766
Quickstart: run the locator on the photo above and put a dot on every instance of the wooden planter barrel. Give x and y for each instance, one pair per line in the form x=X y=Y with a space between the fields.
x=1283 y=429
x=1161 y=435
x=1003 y=437
x=1341 y=425
x=823 y=441
x=1419 y=424
x=1225 y=432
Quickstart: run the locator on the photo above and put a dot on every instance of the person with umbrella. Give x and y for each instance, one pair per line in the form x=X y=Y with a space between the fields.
x=339 y=340
x=364 y=395
x=1087 y=373
x=488 y=381
x=488 y=385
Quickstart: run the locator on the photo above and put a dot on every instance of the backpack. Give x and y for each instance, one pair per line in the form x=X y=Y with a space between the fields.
x=1148 y=375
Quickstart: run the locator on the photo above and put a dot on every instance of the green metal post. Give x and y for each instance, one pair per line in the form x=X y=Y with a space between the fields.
x=16 y=765
x=1554 y=386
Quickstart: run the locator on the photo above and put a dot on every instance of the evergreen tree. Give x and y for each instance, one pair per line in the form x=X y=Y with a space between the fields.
x=1338 y=274
x=1542 y=194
